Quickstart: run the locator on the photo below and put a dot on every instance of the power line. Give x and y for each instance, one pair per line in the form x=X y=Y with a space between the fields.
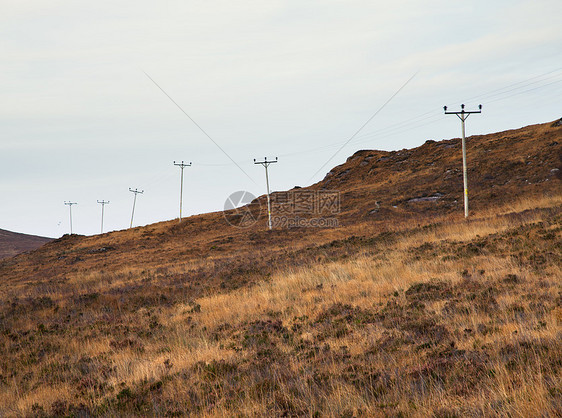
x=427 y=116
x=463 y=115
x=498 y=91
x=422 y=119
x=431 y=116
x=381 y=134
x=69 y=204
x=102 y=203
x=181 y=165
x=413 y=123
x=525 y=91
x=398 y=130
x=365 y=124
x=198 y=126
x=136 y=192
x=266 y=164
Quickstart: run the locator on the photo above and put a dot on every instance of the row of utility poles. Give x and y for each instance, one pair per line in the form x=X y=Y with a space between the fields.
x=462 y=115
x=265 y=163
x=181 y=165
x=103 y=203
x=69 y=204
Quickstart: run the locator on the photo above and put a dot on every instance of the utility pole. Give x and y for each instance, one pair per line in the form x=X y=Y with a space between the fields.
x=136 y=192
x=266 y=164
x=69 y=204
x=103 y=203
x=181 y=165
x=463 y=115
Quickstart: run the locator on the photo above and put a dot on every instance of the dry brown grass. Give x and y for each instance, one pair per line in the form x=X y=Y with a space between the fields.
x=451 y=318
x=406 y=310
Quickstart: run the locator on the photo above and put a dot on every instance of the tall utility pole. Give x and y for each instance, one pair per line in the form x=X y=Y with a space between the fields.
x=103 y=203
x=266 y=164
x=136 y=192
x=181 y=165
x=463 y=115
x=69 y=204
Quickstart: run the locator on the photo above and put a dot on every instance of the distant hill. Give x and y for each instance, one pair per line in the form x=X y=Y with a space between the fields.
x=13 y=243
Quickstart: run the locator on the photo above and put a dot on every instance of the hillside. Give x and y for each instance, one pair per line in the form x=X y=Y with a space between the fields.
x=12 y=243
x=403 y=309
x=502 y=167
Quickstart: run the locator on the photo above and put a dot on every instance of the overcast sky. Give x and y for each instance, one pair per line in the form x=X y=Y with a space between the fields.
x=80 y=120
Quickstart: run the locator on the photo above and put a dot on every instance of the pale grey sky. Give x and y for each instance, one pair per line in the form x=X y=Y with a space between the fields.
x=80 y=121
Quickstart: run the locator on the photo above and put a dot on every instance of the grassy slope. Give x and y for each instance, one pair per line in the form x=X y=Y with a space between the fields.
x=433 y=316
